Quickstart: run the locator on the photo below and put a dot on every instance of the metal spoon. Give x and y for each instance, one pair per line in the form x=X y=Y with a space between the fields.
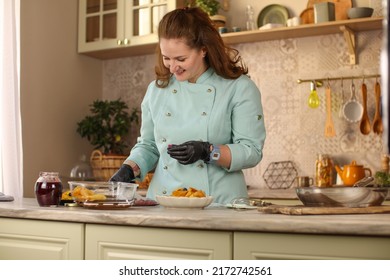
x=377 y=124
x=365 y=126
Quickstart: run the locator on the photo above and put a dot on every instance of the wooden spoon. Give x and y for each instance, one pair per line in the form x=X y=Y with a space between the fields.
x=377 y=124
x=365 y=126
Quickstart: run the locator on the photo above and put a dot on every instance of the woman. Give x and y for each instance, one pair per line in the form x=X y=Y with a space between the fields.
x=202 y=118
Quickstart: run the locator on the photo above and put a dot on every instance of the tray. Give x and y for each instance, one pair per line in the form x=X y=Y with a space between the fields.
x=304 y=210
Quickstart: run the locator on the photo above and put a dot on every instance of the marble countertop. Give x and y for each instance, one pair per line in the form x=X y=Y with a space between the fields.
x=211 y=218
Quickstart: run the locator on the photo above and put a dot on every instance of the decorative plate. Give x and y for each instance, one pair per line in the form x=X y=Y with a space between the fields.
x=184 y=202
x=273 y=14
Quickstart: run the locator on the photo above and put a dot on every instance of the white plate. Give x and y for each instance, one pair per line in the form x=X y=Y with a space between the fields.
x=184 y=202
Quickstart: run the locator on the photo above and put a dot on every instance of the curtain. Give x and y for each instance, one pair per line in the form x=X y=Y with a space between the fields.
x=11 y=168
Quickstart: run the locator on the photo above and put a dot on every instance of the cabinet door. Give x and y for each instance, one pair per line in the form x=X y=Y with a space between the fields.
x=135 y=243
x=22 y=239
x=142 y=19
x=279 y=246
x=101 y=24
x=109 y=24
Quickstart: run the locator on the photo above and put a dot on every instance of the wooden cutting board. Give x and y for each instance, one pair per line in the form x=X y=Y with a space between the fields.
x=304 y=210
x=341 y=7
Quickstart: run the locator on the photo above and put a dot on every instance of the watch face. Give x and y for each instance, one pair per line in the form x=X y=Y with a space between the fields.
x=215 y=156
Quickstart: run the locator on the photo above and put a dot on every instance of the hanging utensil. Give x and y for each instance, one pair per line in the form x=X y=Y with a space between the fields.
x=314 y=100
x=377 y=124
x=342 y=102
x=365 y=126
x=353 y=110
x=329 y=126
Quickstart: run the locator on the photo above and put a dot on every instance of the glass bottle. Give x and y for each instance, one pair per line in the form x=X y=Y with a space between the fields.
x=324 y=171
x=48 y=189
x=250 y=21
x=82 y=170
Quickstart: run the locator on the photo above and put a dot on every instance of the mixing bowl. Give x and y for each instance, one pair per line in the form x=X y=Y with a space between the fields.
x=103 y=194
x=342 y=196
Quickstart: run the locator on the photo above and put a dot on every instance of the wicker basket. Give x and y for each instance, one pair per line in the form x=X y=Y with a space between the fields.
x=104 y=166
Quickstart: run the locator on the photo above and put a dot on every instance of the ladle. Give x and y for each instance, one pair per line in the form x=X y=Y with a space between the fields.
x=353 y=109
x=377 y=125
x=365 y=126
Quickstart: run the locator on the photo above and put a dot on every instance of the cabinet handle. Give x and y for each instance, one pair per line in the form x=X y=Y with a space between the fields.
x=126 y=41
x=119 y=42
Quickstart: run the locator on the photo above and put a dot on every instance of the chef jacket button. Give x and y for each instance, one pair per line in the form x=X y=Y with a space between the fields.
x=209 y=90
x=164 y=192
x=174 y=91
x=168 y=114
x=204 y=114
x=200 y=165
x=165 y=167
x=163 y=140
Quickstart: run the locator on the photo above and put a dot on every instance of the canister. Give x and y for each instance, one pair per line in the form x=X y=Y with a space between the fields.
x=324 y=12
x=324 y=171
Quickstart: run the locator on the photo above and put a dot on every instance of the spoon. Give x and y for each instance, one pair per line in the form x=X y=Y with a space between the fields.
x=377 y=124
x=365 y=126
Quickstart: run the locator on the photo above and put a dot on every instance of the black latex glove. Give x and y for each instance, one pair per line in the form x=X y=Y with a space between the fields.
x=124 y=174
x=190 y=152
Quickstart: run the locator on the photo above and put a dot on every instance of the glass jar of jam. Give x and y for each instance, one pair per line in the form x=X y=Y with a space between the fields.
x=324 y=171
x=48 y=189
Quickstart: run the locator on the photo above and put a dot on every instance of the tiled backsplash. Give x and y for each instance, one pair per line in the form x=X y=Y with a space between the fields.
x=295 y=132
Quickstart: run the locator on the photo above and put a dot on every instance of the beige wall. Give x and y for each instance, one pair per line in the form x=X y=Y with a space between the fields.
x=57 y=86
x=295 y=132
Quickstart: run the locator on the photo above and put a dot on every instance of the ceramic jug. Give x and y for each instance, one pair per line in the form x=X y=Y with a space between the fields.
x=352 y=173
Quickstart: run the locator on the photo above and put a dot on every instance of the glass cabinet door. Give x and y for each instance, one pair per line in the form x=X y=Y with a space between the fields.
x=108 y=24
x=100 y=24
x=143 y=17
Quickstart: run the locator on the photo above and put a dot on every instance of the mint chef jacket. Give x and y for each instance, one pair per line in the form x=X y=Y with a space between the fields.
x=214 y=109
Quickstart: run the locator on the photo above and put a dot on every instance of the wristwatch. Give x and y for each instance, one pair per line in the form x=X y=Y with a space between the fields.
x=215 y=154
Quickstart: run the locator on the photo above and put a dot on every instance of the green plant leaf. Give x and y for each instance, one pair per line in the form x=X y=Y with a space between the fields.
x=107 y=125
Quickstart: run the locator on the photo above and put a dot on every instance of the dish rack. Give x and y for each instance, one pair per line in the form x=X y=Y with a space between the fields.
x=280 y=175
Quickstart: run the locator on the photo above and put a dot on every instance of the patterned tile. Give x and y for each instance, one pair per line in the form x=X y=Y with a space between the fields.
x=295 y=132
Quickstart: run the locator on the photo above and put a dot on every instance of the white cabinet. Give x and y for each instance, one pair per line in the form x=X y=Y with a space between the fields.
x=279 y=246
x=22 y=239
x=112 y=24
x=137 y=243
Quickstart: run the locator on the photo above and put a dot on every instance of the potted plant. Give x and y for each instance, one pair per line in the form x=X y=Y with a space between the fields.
x=211 y=7
x=105 y=128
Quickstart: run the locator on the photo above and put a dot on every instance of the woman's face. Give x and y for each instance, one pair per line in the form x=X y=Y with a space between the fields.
x=183 y=62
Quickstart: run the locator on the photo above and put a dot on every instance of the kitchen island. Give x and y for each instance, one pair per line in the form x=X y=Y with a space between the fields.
x=28 y=231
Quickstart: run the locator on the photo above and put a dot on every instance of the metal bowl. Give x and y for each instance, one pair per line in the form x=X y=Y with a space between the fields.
x=342 y=196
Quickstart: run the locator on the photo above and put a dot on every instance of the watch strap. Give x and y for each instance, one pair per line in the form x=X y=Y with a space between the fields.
x=215 y=154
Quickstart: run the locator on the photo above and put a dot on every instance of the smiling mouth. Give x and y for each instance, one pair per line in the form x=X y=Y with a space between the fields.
x=179 y=71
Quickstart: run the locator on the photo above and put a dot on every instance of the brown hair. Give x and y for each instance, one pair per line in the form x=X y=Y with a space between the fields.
x=197 y=29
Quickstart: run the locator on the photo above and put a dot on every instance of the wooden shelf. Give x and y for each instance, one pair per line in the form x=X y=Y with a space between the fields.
x=348 y=27
x=305 y=30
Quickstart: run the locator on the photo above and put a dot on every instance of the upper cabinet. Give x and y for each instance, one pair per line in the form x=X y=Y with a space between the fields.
x=106 y=26
x=119 y=28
